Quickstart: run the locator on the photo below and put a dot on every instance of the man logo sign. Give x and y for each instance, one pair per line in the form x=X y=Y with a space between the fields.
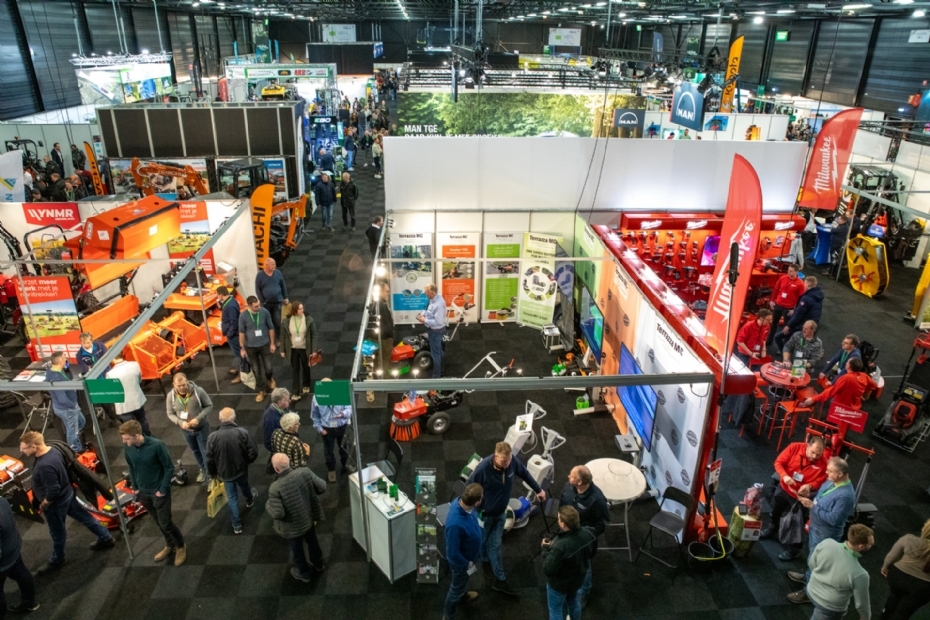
x=629 y=119
x=688 y=106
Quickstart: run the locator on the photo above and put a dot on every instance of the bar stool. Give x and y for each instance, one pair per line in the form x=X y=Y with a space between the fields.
x=792 y=411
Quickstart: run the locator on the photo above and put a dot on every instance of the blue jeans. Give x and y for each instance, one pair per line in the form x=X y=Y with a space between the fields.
x=314 y=552
x=586 y=586
x=55 y=516
x=350 y=159
x=559 y=601
x=457 y=590
x=435 y=350
x=822 y=613
x=197 y=442
x=74 y=422
x=326 y=212
x=236 y=351
x=491 y=537
x=232 y=496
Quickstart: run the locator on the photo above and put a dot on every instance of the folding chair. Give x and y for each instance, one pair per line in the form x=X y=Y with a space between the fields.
x=669 y=523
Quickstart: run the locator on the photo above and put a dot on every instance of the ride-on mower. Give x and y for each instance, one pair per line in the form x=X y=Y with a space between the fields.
x=432 y=405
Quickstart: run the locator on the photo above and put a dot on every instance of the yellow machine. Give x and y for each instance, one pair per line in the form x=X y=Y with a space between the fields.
x=868 y=265
x=274 y=90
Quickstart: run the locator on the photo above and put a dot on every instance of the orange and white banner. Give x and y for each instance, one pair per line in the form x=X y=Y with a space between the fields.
x=50 y=315
x=459 y=281
x=829 y=159
x=741 y=226
x=736 y=53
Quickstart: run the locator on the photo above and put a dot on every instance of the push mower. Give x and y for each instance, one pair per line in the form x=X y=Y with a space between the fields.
x=432 y=405
x=906 y=422
x=416 y=348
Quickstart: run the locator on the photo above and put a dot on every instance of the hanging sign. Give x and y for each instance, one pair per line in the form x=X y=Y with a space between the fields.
x=687 y=106
x=12 y=188
x=501 y=276
x=457 y=285
x=736 y=53
x=538 y=284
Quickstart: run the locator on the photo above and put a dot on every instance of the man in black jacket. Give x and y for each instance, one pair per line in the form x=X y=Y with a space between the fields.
x=348 y=191
x=229 y=325
x=584 y=496
x=808 y=308
x=230 y=449
x=566 y=559
x=374 y=235
x=325 y=194
x=838 y=237
x=11 y=563
x=51 y=486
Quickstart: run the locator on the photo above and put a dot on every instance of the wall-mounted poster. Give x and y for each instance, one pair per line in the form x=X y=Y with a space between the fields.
x=338 y=33
x=538 y=284
x=50 y=314
x=459 y=276
x=410 y=275
x=501 y=276
x=565 y=37
x=195 y=232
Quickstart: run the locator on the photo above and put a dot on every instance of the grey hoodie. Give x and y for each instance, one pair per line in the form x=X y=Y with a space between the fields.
x=197 y=405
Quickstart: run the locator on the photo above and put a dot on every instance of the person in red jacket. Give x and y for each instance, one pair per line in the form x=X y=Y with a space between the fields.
x=848 y=389
x=751 y=338
x=802 y=468
x=788 y=290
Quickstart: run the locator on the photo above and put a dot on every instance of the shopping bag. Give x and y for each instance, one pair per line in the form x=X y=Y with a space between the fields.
x=791 y=526
x=248 y=379
x=216 y=497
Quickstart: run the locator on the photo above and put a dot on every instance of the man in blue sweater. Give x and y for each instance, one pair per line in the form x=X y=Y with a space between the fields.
x=495 y=474
x=229 y=325
x=65 y=403
x=463 y=547
x=829 y=511
x=271 y=291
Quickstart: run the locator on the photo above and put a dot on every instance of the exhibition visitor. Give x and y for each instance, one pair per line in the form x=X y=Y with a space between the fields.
x=271 y=291
x=566 y=560
x=188 y=405
x=837 y=577
x=257 y=343
x=583 y=495
x=296 y=510
x=229 y=326
x=230 y=451
x=298 y=343
x=907 y=568
x=808 y=308
x=435 y=321
x=463 y=547
x=331 y=421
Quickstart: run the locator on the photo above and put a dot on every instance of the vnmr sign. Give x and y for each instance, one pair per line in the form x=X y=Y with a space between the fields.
x=688 y=106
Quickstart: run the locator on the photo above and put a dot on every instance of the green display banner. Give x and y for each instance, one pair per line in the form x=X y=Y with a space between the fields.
x=331 y=393
x=105 y=391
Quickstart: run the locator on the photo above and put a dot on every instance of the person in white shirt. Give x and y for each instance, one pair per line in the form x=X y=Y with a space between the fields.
x=435 y=320
x=133 y=406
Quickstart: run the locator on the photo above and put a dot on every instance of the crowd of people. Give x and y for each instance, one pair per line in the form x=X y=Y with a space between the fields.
x=47 y=182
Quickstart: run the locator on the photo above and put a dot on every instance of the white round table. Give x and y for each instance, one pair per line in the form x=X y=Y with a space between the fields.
x=620 y=482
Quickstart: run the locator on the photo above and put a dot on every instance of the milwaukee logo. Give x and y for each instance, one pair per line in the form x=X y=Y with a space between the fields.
x=693 y=225
x=671 y=341
x=743 y=238
x=826 y=178
x=649 y=225
x=784 y=225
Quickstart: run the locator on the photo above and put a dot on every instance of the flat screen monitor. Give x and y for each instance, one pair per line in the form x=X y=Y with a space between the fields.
x=638 y=400
x=711 y=245
x=592 y=324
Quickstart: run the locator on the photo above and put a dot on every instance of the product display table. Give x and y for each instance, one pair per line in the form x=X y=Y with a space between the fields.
x=782 y=387
x=391 y=525
x=620 y=482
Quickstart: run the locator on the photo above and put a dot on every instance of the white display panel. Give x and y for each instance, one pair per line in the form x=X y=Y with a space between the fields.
x=338 y=33
x=459 y=277
x=463 y=174
x=565 y=36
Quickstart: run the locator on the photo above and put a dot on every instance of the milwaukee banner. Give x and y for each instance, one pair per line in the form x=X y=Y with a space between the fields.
x=826 y=168
x=688 y=106
x=736 y=53
x=740 y=226
x=64 y=214
x=854 y=418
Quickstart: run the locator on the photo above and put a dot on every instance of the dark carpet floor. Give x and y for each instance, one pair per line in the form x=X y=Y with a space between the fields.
x=246 y=576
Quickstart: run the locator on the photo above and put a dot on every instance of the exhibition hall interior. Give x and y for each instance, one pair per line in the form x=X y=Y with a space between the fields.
x=384 y=309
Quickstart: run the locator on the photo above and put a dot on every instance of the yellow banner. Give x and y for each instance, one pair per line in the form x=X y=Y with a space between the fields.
x=262 y=203
x=99 y=189
x=736 y=52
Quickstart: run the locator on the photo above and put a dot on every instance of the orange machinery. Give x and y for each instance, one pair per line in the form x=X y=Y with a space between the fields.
x=180 y=300
x=141 y=175
x=160 y=348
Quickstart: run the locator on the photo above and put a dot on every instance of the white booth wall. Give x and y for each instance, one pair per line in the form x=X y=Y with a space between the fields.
x=771 y=126
x=539 y=174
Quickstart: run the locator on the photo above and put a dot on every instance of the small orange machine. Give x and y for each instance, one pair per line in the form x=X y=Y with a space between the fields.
x=134 y=228
x=160 y=348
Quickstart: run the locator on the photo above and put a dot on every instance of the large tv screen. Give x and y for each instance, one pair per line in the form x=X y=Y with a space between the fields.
x=592 y=324
x=638 y=400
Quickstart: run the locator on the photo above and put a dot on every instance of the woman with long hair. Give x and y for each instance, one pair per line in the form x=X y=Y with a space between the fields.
x=298 y=341
x=907 y=567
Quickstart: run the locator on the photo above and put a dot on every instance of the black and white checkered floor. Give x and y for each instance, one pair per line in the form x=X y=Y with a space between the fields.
x=247 y=575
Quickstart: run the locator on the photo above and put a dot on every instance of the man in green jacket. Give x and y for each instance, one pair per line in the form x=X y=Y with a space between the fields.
x=566 y=559
x=150 y=471
x=295 y=508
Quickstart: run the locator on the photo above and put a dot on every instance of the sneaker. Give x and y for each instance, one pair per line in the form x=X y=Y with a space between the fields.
x=788 y=555
x=200 y=476
x=799 y=598
x=504 y=588
x=799 y=577
x=296 y=575
x=164 y=553
x=331 y=476
x=259 y=397
x=251 y=502
x=49 y=567
x=100 y=545
x=22 y=606
x=180 y=555
x=470 y=596
x=237 y=529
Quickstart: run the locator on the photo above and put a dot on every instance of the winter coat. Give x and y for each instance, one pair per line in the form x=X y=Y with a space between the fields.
x=293 y=502
x=349 y=193
x=325 y=194
x=809 y=308
x=566 y=560
x=230 y=449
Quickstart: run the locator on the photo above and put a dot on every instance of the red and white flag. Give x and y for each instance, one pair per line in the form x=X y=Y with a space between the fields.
x=827 y=166
x=741 y=226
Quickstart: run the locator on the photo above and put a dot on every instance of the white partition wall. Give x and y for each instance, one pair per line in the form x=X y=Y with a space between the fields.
x=539 y=174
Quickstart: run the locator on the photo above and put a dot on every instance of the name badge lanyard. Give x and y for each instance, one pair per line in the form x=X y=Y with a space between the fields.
x=842 y=484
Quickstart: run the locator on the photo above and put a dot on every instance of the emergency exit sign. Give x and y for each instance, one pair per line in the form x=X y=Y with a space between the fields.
x=782 y=35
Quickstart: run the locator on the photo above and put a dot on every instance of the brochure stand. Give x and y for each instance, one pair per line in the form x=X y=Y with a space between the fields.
x=427 y=550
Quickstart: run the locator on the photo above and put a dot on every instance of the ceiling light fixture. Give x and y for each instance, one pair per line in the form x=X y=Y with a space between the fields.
x=755 y=13
x=757 y=19
x=919 y=13
x=903 y=1
x=854 y=7
x=785 y=11
x=547 y=13
x=621 y=15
